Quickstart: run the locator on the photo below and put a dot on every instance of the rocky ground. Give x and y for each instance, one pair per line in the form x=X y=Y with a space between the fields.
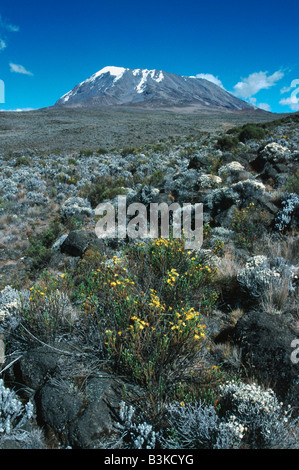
x=117 y=344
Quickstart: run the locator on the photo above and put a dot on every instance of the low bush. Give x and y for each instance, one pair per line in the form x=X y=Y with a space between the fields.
x=249 y=224
x=86 y=153
x=289 y=214
x=105 y=187
x=102 y=151
x=134 y=434
x=292 y=184
x=128 y=151
x=45 y=310
x=251 y=131
x=227 y=142
x=144 y=304
x=20 y=161
x=249 y=417
x=14 y=420
x=39 y=250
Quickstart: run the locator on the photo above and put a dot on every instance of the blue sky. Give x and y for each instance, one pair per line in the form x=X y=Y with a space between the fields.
x=248 y=47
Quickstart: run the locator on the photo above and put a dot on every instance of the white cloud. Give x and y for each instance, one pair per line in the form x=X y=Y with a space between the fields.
x=264 y=106
x=12 y=28
x=210 y=78
x=255 y=82
x=252 y=101
x=19 y=69
x=4 y=26
x=9 y=27
x=285 y=89
x=19 y=110
x=292 y=101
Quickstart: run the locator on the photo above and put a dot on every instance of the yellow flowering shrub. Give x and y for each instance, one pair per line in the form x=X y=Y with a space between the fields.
x=45 y=311
x=144 y=304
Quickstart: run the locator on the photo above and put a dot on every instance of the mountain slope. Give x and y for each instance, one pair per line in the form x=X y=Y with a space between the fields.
x=117 y=86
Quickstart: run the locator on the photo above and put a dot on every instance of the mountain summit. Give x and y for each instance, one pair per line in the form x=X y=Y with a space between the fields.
x=118 y=86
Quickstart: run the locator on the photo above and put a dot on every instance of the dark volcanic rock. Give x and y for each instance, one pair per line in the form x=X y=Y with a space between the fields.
x=78 y=241
x=265 y=340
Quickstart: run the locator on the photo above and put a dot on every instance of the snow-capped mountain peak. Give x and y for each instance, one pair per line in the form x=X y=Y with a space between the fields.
x=116 y=72
x=119 y=86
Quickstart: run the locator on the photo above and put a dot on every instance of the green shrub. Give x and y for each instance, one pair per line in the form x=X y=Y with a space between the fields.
x=251 y=131
x=249 y=224
x=86 y=153
x=159 y=147
x=128 y=151
x=226 y=142
x=292 y=184
x=105 y=187
x=39 y=250
x=214 y=163
x=156 y=178
x=71 y=223
x=23 y=161
x=102 y=151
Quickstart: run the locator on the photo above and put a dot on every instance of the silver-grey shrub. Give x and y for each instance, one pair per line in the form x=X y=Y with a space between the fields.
x=284 y=216
x=192 y=426
x=261 y=273
x=265 y=422
x=249 y=417
x=133 y=435
x=13 y=416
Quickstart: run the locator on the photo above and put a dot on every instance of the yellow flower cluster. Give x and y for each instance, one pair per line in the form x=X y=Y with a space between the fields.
x=188 y=319
x=139 y=324
x=35 y=292
x=155 y=301
x=172 y=277
x=119 y=282
x=168 y=243
x=161 y=242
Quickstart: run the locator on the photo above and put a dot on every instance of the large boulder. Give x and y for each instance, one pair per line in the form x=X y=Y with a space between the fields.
x=78 y=408
x=272 y=161
x=83 y=417
x=78 y=241
x=265 y=341
x=38 y=364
